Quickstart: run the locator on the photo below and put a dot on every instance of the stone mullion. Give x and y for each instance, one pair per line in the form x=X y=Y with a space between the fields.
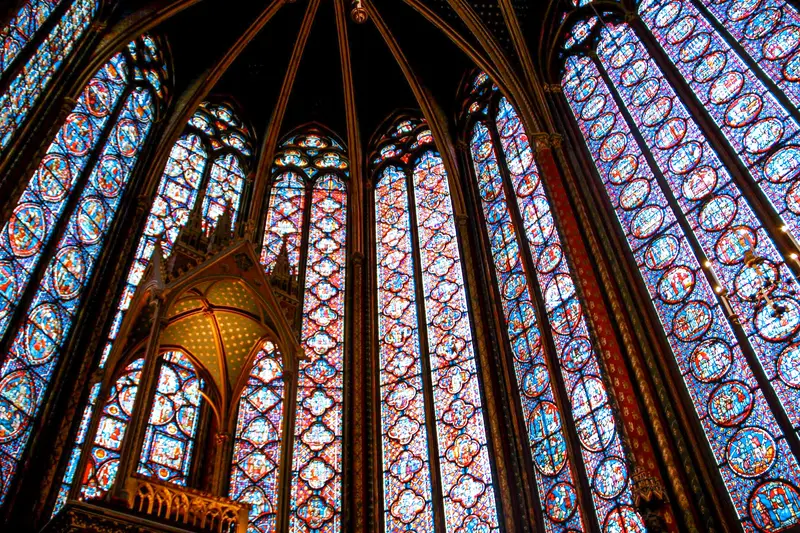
x=496 y=401
x=630 y=306
x=425 y=362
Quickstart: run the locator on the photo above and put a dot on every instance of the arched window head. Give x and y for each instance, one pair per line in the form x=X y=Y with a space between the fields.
x=259 y=437
x=518 y=217
x=172 y=428
x=425 y=345
x=669 y=154
x=120 y=107
x=307 y=213
x=33 y=47
x=297 y=161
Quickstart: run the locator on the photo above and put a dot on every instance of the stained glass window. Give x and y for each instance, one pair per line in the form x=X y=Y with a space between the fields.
x=760 y=129
x=677 y=166
x=103 y=461
x=35 y=76
x=257 y=448
x=36 y=348
x=185 y=174
x=21 y=29
x=313 y=162
x=172 y=427
x=317 y=470
x=457 y=413
x=601 y=447
x=723 y=221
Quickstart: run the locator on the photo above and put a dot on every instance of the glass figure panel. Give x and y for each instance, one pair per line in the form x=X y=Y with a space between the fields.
x=225 y=186
x=41 y=206
x=316 y=504
x=172 y=428
x=548 y=445
x=721 y=218
x=103 y=461
x=598 y=432
x=284 y=220
x=466 y=473
x=21 y=29
x=406 y=457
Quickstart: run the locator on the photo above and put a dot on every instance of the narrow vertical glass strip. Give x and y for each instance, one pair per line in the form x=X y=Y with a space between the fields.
x=284 y=220
x=25 y=89
x=36 y=349
x=598 y=431
x=467 y=484
x=762 y=294
x=316 y=504
x=103 y=461
x=759 y=128
x=554 y=478
x=752 y=454
x=39 y=209
x=407 y=489
x=225 y=185
x=21 y=29
x=769 y=30
x=172 y=428
x=75 y=454
x=259 y=434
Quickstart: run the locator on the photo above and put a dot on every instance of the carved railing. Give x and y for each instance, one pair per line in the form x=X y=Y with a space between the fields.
x=186 y=506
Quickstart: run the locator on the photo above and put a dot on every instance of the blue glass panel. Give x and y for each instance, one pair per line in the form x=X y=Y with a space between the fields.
x=36 y=349
x=21 y=29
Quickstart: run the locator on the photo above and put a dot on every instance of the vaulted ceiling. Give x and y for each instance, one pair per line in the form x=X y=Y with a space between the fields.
x=251 y=45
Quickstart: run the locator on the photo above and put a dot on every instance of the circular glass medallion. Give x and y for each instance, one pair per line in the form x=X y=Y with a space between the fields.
x=778 y=321
x=718 y=213
x=726 y=87
x=774 y=506
x=711 y=360
x=69 y=272
x=17 y=403
x=751 y=452
x=743 y=110
x=647 y=222
x=784 y=165
x=670 y=133
x=685 y=157
x=43 y=332
x=763 y=135
x=550 y=258
x=634 y=194
x=656 y=112
x=692 y=321
x=730 y=404
x=782 y=44
x=709 y=67
x=623 y=170
x=676 y=284
x=700 y=183
x=733 y=244
x=695 y=47
x=610 y=478
x=91 y=220
x=576 y=354
x=662 y=252
x=550 y=454
x=26 y=229
x=623 y=519
x=560 y=502
x=612 y=147
x=789 y=365
x=535 y=381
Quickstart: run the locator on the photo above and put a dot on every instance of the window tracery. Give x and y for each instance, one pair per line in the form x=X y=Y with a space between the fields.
x=415 y=223
x=679 y=207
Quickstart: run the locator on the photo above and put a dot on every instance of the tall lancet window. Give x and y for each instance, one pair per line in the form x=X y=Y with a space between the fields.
x=519 y=218
x=308 y=211
x=428 y=370
x=118 y=105
x=259 y=434
x=201 y=162
x=33 y=47
x=669 y=158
